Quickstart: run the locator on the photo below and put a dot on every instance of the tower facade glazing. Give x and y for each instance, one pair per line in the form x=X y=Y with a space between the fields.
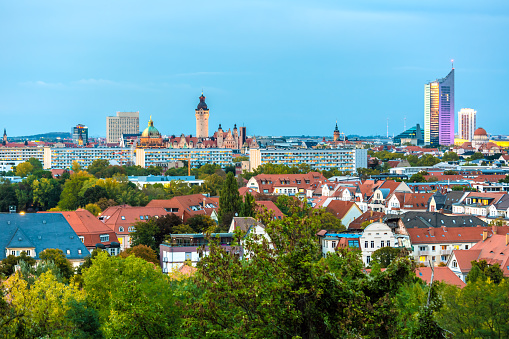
x=439 y=111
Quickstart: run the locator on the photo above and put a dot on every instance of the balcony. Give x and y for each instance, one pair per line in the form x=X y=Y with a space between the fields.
x=445 y=252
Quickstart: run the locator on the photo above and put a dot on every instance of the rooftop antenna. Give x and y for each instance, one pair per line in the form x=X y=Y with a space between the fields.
x=387 y=128
x=452 y=63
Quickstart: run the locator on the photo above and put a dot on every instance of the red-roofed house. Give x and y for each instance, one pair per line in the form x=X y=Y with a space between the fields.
x=271 y=207
x=347 y=211
x=245 y=190
x=436 y=244
x=287 y=184
x=369 y=216
x=493 y=249
x=187 y=206
x=91 y=231
x=443 y=274
x=121 y=219
x=401 y=202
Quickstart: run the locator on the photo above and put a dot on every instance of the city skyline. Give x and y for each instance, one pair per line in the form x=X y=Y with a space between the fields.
x=65 y=64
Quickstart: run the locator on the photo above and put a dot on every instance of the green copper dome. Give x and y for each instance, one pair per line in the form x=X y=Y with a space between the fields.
x=150 y=131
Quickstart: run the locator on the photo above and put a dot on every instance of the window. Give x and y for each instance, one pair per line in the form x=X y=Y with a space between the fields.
x=68 y=251
x=365 y=244
x=444 y=247
x=466 y=247
x=104 y=237
x=141 y=217
x=121 y=229
x=123 y=217
x=388 y=243
x=422 y=248
x=368 y=259
x=382 y=243
x=454 y=263
x=372 y=244
x=79 y=251
x=131 y=229
x=13 y=252
x=443 y=258
x=432 y=248
x=333 y=244
x=28 y=252
x=82 y=238
x=422 y=258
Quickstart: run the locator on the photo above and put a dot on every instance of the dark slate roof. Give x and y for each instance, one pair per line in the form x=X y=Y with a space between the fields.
x=452 y=198
x=439 y=200
x=20 y=240
x=435 y=219
x=503 y=203
x=42 y=231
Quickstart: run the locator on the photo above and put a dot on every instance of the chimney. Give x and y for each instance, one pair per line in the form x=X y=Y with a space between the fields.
x=371 y=213
x=484 y=235
x=431 y=231
x=507 y=239
x=494 y=229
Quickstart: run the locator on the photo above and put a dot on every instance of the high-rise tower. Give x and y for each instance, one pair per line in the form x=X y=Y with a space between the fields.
x=439 y=111
x=202 y=119
x=466 y=123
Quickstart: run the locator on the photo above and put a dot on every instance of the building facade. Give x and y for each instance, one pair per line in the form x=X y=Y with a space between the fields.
x=62 y=158
x=318 y=159
x=439 y=111
x=21 y=154
x=202 y=119
x=80 y=135
x=122 y=123
x=466 y=123
x=196 y=156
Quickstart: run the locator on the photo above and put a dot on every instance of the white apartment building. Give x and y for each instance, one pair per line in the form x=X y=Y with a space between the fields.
x=374 y=237
x=466 y=123
x=197 y=156
x=62 y=158
x=318 y=159
x=122 y=123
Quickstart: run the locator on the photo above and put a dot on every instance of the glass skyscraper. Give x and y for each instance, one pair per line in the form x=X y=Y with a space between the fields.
x=439 y=111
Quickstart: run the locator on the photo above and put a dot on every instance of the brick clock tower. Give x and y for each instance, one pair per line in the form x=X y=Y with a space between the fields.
x=202 y=119
x=336 y=132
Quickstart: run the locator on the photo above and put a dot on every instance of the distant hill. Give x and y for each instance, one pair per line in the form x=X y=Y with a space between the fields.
x=45 y=136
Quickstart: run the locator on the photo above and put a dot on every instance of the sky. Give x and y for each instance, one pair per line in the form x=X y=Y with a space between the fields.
x=278 y=67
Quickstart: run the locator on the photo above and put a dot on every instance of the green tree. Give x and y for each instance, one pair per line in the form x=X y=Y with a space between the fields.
x=24 y=169
x=97 y=167
x=145 y=234
x=58 y=258
x=7 y=196
x=46 y=193
x=385 y=255
x=450 y=156
x=8 y=264
x=132 y=298
x=39 y=310
x=248 y=206
x=229 y=201
x=201 y=223
x=93 y=208
x=141 y=251
x=70 y=198
x=479 y=310
x=287 y=290
x=417 y=177
x=481 y=270
x=475 y=156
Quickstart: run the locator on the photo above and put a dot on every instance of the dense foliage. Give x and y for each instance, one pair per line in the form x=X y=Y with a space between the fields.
x=100 y=186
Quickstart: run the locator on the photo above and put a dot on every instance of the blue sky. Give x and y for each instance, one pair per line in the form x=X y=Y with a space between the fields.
x=278 y=67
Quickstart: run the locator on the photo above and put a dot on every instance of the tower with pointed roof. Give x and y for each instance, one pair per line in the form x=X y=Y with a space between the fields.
x=4 y=141
x=336 y=132
x=202 y=119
